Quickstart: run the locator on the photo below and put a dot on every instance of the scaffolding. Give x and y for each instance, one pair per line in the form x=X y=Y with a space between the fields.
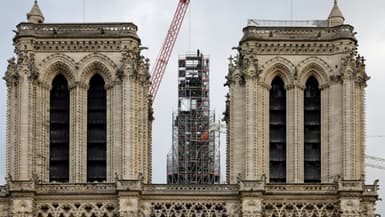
x=194 y=156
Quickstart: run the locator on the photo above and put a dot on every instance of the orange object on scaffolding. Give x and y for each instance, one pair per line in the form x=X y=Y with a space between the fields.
x=205 y=136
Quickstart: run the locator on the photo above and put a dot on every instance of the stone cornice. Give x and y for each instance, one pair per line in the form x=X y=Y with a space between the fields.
x=77 y=30
x=269 y=33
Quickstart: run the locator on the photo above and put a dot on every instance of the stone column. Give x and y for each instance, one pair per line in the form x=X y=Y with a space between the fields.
x=335 y=130
x=251 y=198
x=24 y=131
x=237 y=130
x=325 y=146
x=42 y=132
x=349 y=143
x=129 y=197
x=359 y=105
x=350 y=194
x=114 y=131
x=294 y=133
x=78 y=133
x=262 y=129
x=12 y=79
x=251 y=99
x=127 y=128
x=21 y=198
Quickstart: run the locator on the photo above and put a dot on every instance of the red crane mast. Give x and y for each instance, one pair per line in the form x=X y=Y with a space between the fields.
x=168 y=45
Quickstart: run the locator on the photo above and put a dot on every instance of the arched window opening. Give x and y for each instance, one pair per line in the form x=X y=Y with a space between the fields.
x=312 y=131
x=96 y=130
x=59 y=131
x=277 y=131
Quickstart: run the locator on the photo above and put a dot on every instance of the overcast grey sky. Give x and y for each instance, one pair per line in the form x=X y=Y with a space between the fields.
x=215 y=27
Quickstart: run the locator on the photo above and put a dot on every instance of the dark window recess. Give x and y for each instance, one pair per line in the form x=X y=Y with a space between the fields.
x=182 y=63
x=96 y=131
x=59 y=131
x=312 y=131
x=277 y=131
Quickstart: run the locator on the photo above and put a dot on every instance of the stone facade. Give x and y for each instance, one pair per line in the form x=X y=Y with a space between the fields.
x=112 y=50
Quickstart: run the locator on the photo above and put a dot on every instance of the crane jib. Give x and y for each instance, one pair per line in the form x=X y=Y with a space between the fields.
x=167 y=47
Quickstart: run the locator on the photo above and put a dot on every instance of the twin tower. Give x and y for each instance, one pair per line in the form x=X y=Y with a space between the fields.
x=79 y=125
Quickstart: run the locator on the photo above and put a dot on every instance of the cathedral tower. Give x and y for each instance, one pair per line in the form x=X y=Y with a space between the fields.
x=77 y=103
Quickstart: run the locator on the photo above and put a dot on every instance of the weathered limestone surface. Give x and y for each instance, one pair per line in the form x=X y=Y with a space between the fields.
x=327 y=52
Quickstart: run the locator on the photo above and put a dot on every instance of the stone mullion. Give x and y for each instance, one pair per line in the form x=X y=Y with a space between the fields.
x=325 y=152
x=78 y=134
x=299 y=134
x=291 y=134
x=74 y=171
x=348 y=131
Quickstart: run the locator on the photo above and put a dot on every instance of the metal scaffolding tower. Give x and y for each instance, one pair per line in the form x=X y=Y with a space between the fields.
x=194 y=156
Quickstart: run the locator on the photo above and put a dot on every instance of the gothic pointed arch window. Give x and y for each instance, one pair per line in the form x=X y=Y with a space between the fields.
x=312 y=131
x=96 y=130
x=277 y=119
x=59 y=130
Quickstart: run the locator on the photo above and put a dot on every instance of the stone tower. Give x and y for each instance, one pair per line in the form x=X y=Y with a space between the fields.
x=296 y=106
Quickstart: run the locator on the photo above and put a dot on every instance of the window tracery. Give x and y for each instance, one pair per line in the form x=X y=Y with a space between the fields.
x=312 y=131
x=59 y=130
x=277 y=131
x=96 y=130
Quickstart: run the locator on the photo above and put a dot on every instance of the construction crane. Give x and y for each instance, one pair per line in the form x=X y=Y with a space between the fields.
x=168 y=45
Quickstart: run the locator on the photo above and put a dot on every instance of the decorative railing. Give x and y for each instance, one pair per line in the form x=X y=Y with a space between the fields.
x=302 y=188
x=287 y=23
x=88 y=188
x=298 y=32
x=106 y=29
x=198 y=189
